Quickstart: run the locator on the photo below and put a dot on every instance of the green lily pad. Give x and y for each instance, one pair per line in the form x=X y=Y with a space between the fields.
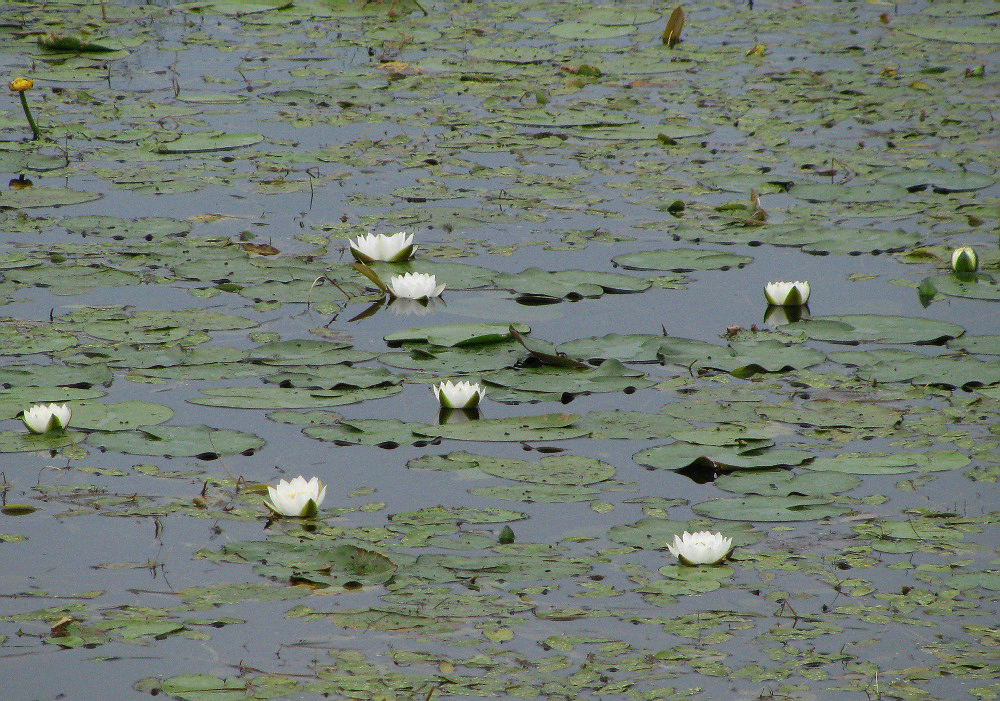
x=55 y=376
x=288 y=398
x=680 y=455
x=940 y=180
x=537 y=493
x=23 y=441
x=307 y=352
x=336 y=377
x=770 y=508
x=830 y=413
x=386 y=433
x=958 y=34
x=556 y=469
x=119 y=416
x=31 y=197
x=681 y=260
x=203 y=442
x=456 y=360
x=204 y=142
x=542 y=427
x=610 y=376
x=830 y=192
x=874 y=328
x=891 y=463
x=655 y=533
x=783 y=483
x=315 y=563
x=456 y=334
x=968 y=285
x=897 y=365
x=568 y=284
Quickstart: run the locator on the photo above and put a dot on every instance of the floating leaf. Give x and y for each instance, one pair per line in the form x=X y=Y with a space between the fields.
x=456 y=334
x=874 y=328
x=769 y=508
x=681 y=260
x=206 y=141
x=199 y=441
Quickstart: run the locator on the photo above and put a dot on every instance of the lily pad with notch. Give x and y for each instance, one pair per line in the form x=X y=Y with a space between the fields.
x=310 y=562
x=874 y=328
x=200 y=441
x=681 y=260
x=288 y=398
x=770 y=508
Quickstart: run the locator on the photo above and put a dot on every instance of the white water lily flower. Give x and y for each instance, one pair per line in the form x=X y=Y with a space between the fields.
x=414 y=286
x=42 y=418
x=964 y=260
x=297 y=497
x=787 y=294
x=459 y=395
x=701 y=548
x=394 y=249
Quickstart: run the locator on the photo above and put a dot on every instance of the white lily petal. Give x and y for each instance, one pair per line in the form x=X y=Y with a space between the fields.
x=296 y=497
x=414 y=286
x=42 y=418
x=787 y=293
x=459 y=395
x=701 y=548
x=371 y=247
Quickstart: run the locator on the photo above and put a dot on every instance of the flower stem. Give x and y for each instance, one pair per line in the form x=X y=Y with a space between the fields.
x=36 y=134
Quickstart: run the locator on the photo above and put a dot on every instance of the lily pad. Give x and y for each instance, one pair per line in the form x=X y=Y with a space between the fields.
x=770 y=508
x=681 y=260
x=203 y=442
x=874 y=328
x=311 y=562
x=31 y=197
x=204 y=142
x=783 y=483
x=119 y=416
x=288 y=398
x=456 y=334
x=680 y=455
x=556 y=469
x=891 y=463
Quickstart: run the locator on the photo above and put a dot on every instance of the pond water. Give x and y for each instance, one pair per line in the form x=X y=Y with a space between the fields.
x=178 y=273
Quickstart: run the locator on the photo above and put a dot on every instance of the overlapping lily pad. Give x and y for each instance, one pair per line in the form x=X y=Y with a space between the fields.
x=875 y=328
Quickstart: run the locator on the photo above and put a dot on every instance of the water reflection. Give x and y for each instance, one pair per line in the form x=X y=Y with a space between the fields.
x=778 y=316
x=417 y=307
x=457 y=416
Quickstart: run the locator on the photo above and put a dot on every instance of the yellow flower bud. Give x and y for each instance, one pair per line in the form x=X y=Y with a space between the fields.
x=21 y=84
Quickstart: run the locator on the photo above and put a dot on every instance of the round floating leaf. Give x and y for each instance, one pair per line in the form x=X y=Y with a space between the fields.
x=983 y=580
x=631 y=347
x=830 y=192
x=544 y=493
x=433 y=515
x=611 y=376
x=940 y=180
x=203 y=442
x=634 y=425
x=336 y=377
x=681 y=260
x=641 y=132
x=315 y=563
x=829 y=413
x=655 y=533
x=891 y=463
x=456 y=334
x=442 y=361
x=307 y=352
x=958 y=34
x=30 y=197
x=570 y=284
x=208 y=141
x=969 y=285
x=119 y=416
x=55 y=376
x=874 y=328
x=282 y=398
x=521 y=55
x=556 y=469
x=679 y=455
x=544 y=427
x=618 y=16
x=586 y=30
x=783 y=483
x=896 y=365
x=769 y=508
x=23 y=441
x=387 y=433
